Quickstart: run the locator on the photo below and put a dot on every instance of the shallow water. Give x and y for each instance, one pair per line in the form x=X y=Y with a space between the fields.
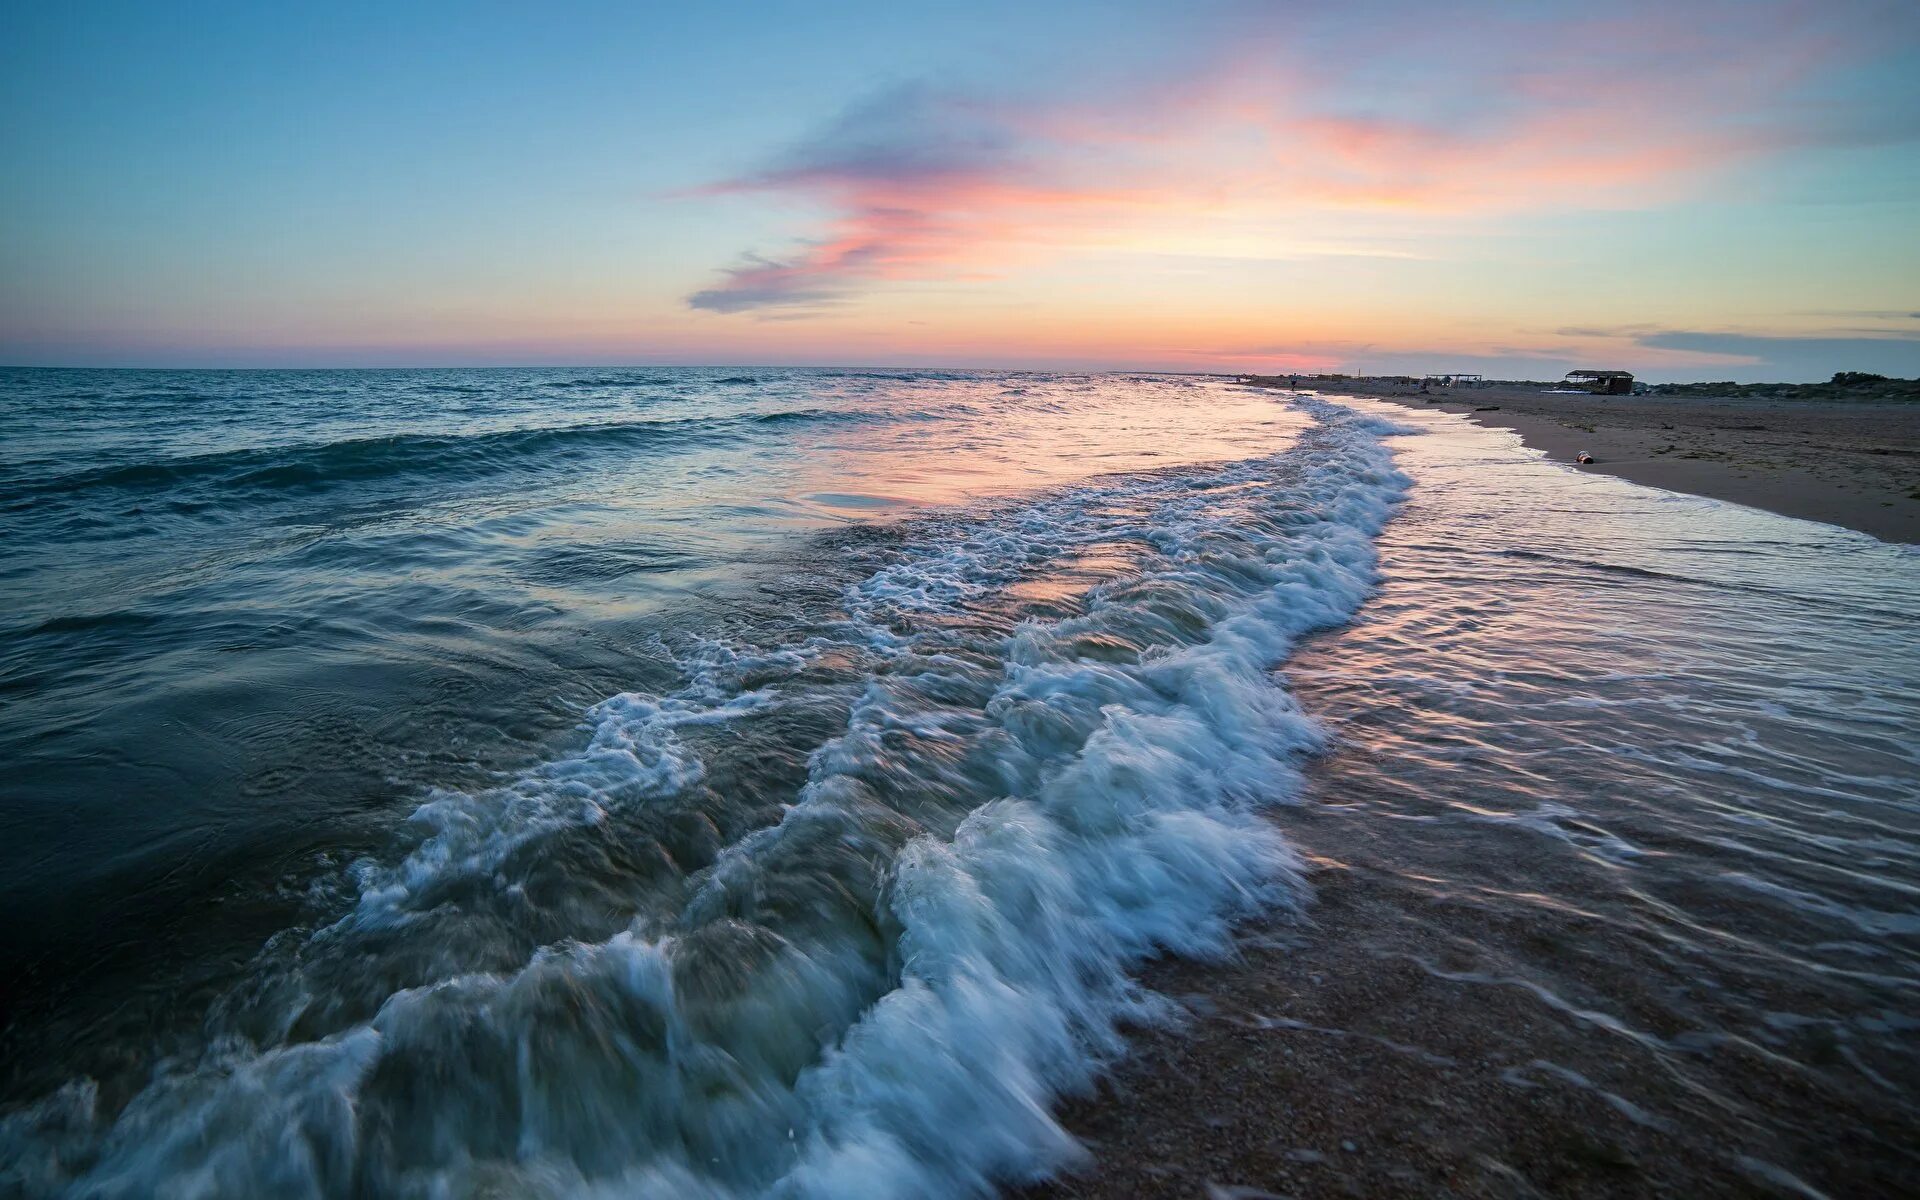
x=919 y=708
x=1620 y=837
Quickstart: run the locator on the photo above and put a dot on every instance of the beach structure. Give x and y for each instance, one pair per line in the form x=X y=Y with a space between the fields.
x=1604 y=383
x=1452 y=379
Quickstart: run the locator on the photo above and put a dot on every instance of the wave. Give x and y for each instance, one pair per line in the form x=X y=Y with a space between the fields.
x=1722 y=583
x=878 y=993
x=449 y=455
x=840 y=416
x=928 y=376
x=607 y=381
x=282 y=467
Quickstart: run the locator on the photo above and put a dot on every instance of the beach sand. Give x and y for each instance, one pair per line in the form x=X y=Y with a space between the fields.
x=1339 y=1061
x=1851 y=464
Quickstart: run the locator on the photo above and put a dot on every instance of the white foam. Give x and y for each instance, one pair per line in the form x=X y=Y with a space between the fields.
x=634 y=753
x=1113 y=815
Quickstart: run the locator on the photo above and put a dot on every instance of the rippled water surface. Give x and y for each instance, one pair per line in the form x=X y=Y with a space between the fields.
x=748 y=783
x=1625 y=814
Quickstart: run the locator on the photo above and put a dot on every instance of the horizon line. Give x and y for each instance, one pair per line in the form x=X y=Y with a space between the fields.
x=768 y=366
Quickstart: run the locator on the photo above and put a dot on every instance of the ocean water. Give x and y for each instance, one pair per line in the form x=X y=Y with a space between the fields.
x=1626 y=784
x=765 y=783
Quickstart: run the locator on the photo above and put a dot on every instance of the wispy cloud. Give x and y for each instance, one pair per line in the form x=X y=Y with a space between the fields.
x=1800 y=358
x=1607 y=331
x=915 y=177
x=1297 y=119
x=1869 y=314
x=1892 y=350
x=760 y=282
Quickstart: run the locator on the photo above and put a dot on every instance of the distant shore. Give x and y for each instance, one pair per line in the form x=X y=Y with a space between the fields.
x=1850 y=463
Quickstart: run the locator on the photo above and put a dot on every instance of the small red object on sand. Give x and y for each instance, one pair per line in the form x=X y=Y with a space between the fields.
x=1583 y=457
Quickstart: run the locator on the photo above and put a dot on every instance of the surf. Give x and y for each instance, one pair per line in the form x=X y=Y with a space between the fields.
x=883 y=986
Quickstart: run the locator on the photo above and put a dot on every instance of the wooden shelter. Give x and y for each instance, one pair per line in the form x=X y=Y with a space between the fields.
x=1605 y=383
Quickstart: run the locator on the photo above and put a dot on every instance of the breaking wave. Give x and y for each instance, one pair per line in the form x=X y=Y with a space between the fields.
x=577 y=983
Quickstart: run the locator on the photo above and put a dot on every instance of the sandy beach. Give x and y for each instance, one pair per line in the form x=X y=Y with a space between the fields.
x=1853 y=464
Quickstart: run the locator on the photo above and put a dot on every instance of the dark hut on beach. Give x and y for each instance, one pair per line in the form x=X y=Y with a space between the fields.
x=1605 y=383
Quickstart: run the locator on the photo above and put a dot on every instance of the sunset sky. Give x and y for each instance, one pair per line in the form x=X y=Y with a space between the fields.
x=1686 y=190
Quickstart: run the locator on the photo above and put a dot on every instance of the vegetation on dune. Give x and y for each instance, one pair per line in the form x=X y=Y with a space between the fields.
x=1845 y=385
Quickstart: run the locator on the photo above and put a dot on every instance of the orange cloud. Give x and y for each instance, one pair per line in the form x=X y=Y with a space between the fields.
x=1495 y=115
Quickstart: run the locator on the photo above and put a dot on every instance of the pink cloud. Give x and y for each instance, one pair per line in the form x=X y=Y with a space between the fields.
x=1498 y=114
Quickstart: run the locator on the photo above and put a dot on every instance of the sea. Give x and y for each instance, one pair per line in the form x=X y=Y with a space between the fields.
x=770 y=782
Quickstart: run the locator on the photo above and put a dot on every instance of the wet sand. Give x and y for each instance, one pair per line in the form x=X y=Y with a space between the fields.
x=1338 y=1058
x=1856 y=465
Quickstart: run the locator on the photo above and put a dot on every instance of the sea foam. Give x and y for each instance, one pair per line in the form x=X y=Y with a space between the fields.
x=882 y=992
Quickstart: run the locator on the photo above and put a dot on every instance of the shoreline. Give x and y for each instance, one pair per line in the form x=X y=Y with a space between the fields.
x=1855 y=464
x=1522 y=971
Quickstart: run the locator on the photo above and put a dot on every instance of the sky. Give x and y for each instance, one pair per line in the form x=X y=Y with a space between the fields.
x=1686 y=189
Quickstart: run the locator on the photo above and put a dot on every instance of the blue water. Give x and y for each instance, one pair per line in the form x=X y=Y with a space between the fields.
x=243 y=610
x=765 y=782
